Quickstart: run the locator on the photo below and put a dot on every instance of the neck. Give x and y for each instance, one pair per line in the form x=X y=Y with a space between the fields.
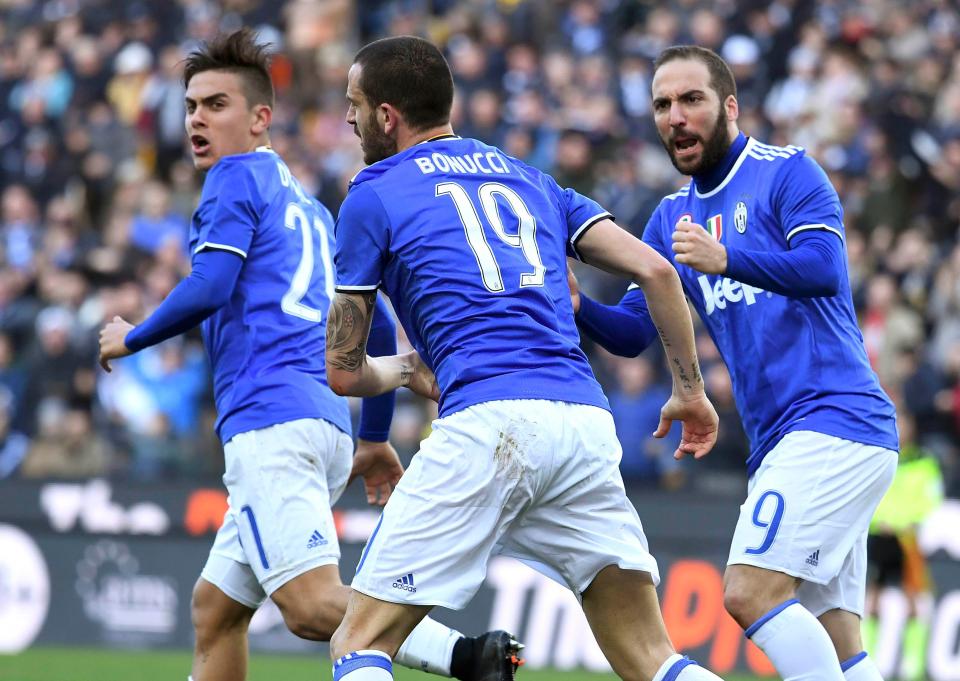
x=410 y=139
x=709 y=179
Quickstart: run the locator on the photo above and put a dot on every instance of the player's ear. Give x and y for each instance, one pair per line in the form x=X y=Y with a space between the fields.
x=389 y=118
x=732 y=108
x=262 y=117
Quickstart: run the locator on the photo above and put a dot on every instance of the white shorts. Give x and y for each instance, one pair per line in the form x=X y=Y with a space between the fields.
x=807 y=513
x=534 y=479
x=281 y=482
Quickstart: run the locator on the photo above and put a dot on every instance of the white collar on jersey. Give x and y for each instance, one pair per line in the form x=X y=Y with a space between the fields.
x=733 y=171
x=265 y=147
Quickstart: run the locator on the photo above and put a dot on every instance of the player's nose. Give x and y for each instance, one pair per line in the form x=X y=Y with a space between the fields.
x=195 y=120
x=677 y=116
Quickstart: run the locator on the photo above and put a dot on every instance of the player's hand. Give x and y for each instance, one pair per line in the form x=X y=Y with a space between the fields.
x=574 y=289
x=421 y=380
x=699 y=424
x=113 y=341
x=695 y=247
x=379 y=466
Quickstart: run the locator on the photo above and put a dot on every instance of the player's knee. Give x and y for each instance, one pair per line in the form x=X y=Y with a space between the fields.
x=750 y=594
x=312 y=621
x=738 y=602
x=214 y=614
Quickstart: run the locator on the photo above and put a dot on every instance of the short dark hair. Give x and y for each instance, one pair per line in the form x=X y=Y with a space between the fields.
x=239 y=53
x=410 y=74
x=721 y=77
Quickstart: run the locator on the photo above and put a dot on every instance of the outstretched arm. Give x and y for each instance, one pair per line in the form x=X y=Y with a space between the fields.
x=207 y=288
x=351 y=371
x=625 y=329
x=376 y=413
x=614 y=250
x=375 y=459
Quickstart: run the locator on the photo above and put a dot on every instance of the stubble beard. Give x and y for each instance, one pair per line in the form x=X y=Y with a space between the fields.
x=376 y=144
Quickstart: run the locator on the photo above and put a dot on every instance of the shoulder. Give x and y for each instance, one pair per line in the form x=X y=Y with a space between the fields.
x=670 y=199
x=671 y=205
x=362 y=200
x=767 y=158
x=237 y=176
x=772 y=153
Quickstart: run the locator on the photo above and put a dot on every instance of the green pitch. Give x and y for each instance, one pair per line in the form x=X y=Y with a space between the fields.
x=85 y=664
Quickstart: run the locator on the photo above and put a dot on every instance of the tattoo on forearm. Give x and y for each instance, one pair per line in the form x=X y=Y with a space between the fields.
x=347 y=327
x=681 y=374
x=406 y=373
x=663 y=336
x=697 y=378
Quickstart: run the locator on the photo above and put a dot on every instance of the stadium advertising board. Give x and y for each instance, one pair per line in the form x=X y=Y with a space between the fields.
x=124 y=587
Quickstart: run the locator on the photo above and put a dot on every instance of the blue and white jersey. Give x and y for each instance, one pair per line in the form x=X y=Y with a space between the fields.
x=796 y=363
x=266 y=344
x=471 y=247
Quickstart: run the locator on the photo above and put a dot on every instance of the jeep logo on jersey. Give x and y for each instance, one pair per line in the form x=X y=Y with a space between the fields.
x=716 y=295
x=740 y=217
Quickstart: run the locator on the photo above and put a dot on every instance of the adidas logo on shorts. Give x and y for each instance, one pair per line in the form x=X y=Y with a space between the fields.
x=814 y=558
x=316 y=539
x=405 y=583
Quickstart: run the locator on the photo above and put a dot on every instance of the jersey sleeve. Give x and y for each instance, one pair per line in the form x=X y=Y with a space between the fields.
x=363 y=237
x=625 y=329
x=229 y=209
x=653 y=235
x=805 y=200
x=581 y=213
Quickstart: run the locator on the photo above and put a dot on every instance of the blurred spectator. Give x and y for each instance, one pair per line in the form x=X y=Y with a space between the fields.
x=155 y=226
x=13 y=444
x=66 y=446
x=636 y=403
x=56 y=368
x=96 y=191
x=888 y=326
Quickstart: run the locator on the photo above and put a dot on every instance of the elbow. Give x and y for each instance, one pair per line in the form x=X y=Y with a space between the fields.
x=827 y=288
x=654 y=268
x=341 y=382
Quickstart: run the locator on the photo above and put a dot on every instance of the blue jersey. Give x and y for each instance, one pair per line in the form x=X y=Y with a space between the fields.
x=796 y=363
x=266 y=344
x=471 y=247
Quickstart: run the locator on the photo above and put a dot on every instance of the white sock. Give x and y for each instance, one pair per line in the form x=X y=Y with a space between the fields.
x=796 y=643
x=429 y=647
x=860 y=668
x=363 y=665
x=680 y=668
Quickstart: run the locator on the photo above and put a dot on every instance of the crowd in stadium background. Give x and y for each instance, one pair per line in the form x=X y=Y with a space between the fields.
x=97 y=189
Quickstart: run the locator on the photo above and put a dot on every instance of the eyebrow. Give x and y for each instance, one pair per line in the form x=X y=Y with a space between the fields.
x=662 y=100
x=209 y=99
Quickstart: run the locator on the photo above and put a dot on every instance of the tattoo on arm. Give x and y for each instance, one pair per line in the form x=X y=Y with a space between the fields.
x=682 y=375
x=406 y=373
x=347 y=328
x=663 y=336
